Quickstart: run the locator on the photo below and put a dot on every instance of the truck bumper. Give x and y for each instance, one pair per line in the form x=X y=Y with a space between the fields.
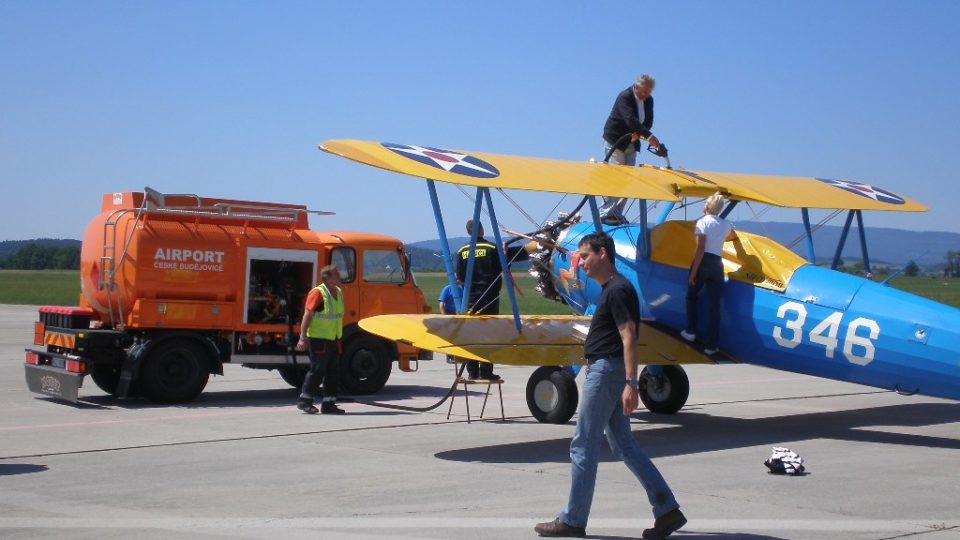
x=53 y=382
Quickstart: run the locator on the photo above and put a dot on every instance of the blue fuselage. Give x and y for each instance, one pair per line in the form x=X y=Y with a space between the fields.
x=826 y=323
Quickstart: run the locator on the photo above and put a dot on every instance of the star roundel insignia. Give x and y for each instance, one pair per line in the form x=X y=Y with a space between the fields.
x=446 y=160
x=864 y=190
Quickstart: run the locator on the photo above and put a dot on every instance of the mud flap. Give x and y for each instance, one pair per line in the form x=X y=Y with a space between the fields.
x=54 y=382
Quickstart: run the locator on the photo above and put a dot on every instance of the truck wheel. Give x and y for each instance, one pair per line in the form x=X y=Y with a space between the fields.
x=175 y=371
x=552 y=395
x=293 y=375
x=106 y=377
x=365 y=366
x=667 y=393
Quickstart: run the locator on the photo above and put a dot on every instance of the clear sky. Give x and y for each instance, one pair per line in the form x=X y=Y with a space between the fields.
x=231 y=99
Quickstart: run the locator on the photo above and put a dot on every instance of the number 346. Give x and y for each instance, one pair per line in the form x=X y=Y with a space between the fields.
x=857 y=348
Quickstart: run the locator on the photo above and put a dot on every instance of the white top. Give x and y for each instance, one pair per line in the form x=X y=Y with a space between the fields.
x=715 y=229
x=641 y=114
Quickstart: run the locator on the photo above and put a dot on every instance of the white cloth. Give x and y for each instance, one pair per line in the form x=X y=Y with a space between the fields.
x=641 y=114
x=785 y=461
x=715 y=230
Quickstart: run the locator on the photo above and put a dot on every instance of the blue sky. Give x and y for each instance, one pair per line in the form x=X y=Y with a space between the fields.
x=231 y=99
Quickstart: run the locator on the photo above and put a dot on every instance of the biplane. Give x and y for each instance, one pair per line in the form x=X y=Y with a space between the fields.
x=780 y=310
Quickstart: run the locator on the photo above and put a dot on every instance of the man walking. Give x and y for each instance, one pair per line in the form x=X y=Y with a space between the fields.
x=609 y=396
x=320 y=331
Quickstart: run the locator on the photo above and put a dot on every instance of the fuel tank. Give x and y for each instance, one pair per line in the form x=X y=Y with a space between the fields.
x=182 y=248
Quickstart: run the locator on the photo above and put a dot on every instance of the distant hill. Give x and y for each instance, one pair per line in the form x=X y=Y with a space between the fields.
x=884 y=245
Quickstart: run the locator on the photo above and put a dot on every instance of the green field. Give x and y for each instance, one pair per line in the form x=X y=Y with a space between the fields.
x=40 y=287
x=56 y=287
x=531 y=302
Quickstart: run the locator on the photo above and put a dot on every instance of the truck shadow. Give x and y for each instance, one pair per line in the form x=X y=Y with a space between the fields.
x=694 y=433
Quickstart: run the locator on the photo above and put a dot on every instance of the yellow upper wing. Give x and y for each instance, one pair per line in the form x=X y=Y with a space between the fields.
x=795 y=191
x=646 y=182
x=546 y=340
x=510 y=172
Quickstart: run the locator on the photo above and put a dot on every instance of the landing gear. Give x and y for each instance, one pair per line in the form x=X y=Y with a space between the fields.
x=666 y=393
x=552 y=395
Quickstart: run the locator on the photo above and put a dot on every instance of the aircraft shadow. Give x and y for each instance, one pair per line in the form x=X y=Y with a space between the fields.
x=10 y=469
x=693 y=433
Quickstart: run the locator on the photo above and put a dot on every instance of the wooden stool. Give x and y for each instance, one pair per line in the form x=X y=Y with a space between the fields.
x=466 y=396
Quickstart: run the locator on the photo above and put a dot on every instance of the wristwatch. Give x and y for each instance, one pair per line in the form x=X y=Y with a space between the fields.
x=633 y=383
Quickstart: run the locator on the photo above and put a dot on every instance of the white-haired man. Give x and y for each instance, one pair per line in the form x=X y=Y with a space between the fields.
x=632 y=113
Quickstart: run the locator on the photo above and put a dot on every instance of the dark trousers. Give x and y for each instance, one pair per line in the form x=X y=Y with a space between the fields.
x=324 y=368
x=710 y=274
x=483 y=370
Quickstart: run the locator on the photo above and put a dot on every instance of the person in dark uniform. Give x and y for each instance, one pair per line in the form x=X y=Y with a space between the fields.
x=320 y=332
x=609 y=396
x=484 y=289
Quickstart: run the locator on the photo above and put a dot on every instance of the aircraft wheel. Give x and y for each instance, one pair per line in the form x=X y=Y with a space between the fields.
x=294 y=375
x=175 y=371
x=365 y=365
x=667 y=393
x=552 y=395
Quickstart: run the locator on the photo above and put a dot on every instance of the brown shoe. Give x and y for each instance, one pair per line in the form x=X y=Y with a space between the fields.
x=666 y=525
x=559 y=528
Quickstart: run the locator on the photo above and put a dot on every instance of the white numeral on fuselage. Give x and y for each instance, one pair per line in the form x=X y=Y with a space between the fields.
x=858 y=349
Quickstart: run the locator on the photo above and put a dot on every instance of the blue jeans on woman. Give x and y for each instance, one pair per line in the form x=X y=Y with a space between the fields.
x=601 y=411
x=709 y=274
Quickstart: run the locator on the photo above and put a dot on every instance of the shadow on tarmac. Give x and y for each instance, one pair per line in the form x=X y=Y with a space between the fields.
x=10 y=469
x=684 y=534
x=693 y=433
x=278 y=397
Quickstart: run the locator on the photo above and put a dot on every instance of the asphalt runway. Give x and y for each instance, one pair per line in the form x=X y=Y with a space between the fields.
x=242 y=462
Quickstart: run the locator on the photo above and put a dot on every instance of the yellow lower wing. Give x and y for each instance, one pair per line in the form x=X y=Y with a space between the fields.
x=546 y=340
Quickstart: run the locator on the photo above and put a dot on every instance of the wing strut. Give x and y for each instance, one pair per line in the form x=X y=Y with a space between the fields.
x=843 y=239
x=805 y=214
x=444 y=244
x=507 y=278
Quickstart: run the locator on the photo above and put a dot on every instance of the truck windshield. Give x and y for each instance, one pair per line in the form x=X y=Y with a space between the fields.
x=383 y=266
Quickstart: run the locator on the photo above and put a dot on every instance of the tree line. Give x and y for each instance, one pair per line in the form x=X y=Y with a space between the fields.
x=38 y=257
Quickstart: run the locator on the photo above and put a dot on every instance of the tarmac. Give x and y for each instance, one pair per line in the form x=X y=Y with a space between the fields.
x=243 y=462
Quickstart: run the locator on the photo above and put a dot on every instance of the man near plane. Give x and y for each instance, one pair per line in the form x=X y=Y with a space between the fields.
x=610 y=394
x=632 y=113
x=483 y=293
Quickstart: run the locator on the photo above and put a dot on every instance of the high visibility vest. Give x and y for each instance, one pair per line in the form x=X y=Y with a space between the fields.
x=328 y=323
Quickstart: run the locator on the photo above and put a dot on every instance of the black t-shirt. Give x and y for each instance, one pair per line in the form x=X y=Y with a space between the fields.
x=618 y=304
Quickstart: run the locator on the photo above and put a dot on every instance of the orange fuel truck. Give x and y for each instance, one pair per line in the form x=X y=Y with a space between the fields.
x=175 y=286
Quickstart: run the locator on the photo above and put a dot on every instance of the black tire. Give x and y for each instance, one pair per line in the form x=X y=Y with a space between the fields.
x=365 y=365
x=175 y=371
x=666 y=394
x=552 y=395
x=294 y=375
x=106 y=377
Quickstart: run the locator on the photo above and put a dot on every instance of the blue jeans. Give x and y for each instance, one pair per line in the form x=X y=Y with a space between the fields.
x=613 y=206
x=709 y=274
x=601 y=411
